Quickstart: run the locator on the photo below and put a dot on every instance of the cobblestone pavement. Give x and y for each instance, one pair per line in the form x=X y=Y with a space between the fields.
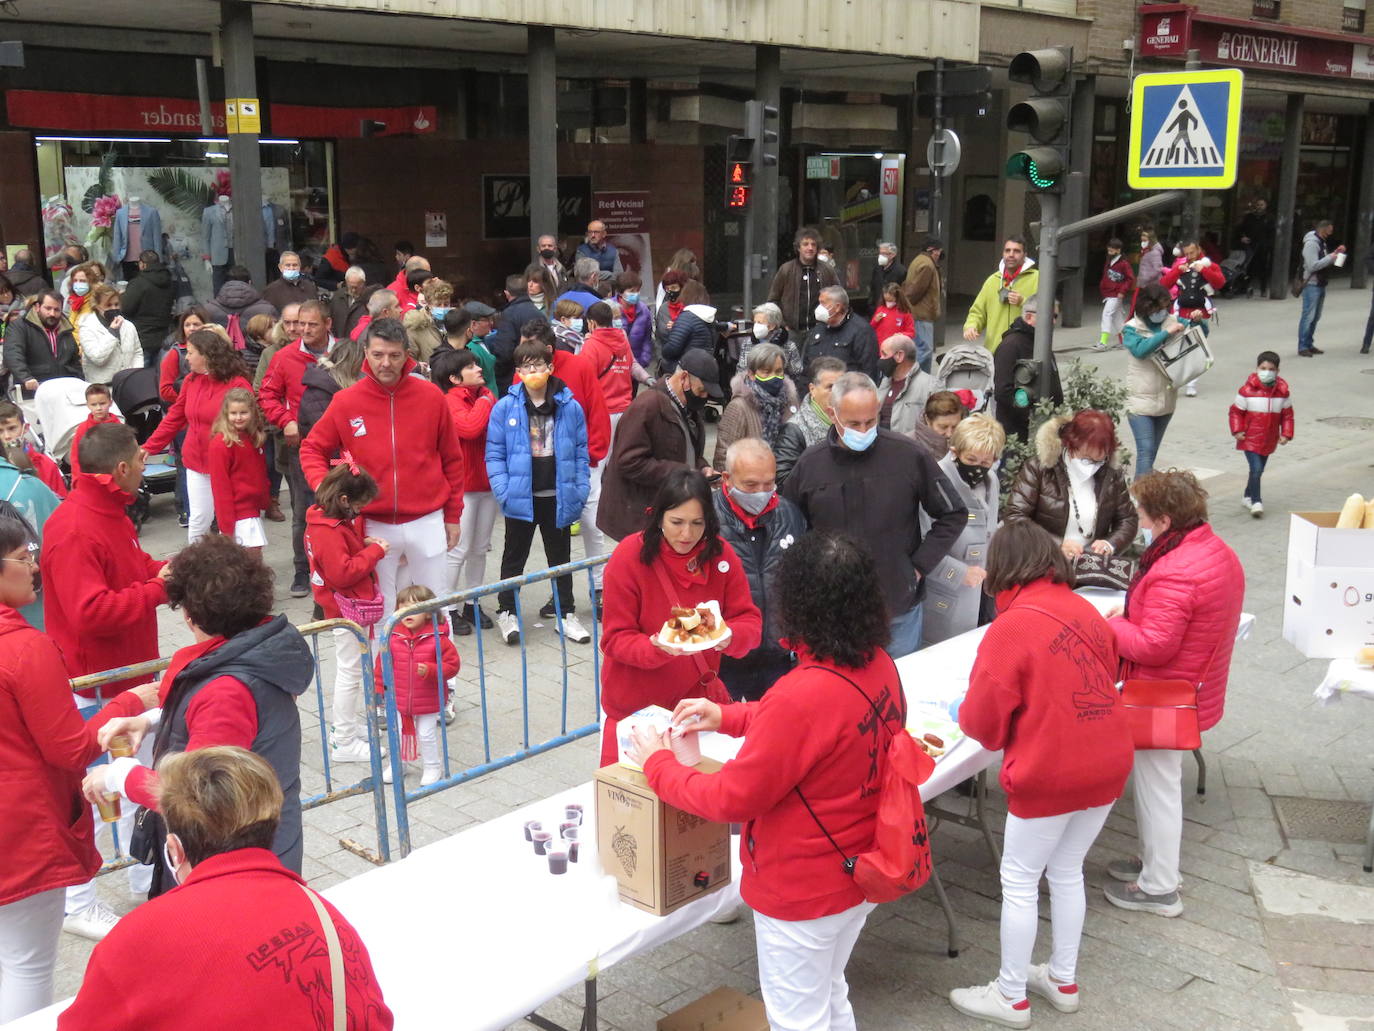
x=1277 y=933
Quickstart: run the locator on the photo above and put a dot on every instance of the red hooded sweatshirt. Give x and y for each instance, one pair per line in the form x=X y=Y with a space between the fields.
x=1043 y=689
x=48 y=472
x=608 y=352
x=196 y=408
x=471 y=411
x=339 y=560
x=257 y=957
x=238 y=481
x=403 y=436
x=100 y=589
x=417 y=695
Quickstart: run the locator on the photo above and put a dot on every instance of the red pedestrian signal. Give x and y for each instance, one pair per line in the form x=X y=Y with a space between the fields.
x=737 y=197
x=740 y=173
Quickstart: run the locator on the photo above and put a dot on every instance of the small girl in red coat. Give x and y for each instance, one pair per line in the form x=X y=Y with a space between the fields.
x=893 y=316
x=238 y=468
x=421 y=681
x=1261 y=419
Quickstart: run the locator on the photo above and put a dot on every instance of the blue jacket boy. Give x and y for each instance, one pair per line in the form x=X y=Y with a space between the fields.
x=509 y=465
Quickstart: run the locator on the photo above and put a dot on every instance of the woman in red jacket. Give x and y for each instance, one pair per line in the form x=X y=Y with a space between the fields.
x=216 y=369
x=46 y=836
x=172 y=372
x=678 y=558
x=811 y=741
x=1043 y=690
x=1179 y=623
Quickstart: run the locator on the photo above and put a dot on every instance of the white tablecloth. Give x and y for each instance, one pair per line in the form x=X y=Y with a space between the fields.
x=1345 y=676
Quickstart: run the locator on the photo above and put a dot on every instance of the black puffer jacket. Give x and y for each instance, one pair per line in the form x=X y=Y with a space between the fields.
x=320 y=388
x=147 y=302
x=852 y=342
x=1041 y=493
x=760 y=550
x=695 y=327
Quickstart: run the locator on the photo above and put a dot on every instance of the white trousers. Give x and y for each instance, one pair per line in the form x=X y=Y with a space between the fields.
x=349 y=724
x=801 y=969
x=1158 y=785
x=427 y=730
x=201 y=503
x=420 y=546
x=1054 y=846
x=467 y=563
x=29 y=932
x=1113 y=316
x=593 y=540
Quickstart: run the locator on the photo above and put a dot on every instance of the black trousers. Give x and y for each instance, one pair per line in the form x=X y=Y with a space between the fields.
x=302 y=497
x=557 y=549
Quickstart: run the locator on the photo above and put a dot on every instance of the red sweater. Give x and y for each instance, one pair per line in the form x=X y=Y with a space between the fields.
x=811 y=731
x=283 y=384
x=888 y=322
x=402 y=435
x=339 y=560
x=607 y=351
x=1263 y=414
x=196 y=408
x=633 y=672
x=471 y=411
x=168 y=372
x=1045 y=693
x=100 y=589
x=1118 y=278
x=578 y=374
x=239 y=945
x=76 y=442
x=47 y=471
x=417 y=695
x=238 y=481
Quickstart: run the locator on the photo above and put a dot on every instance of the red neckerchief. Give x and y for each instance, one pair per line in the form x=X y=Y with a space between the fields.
x=686 y=570
x=751 y=521
x=674 y=309
x=630 y=310
x=1007 y=280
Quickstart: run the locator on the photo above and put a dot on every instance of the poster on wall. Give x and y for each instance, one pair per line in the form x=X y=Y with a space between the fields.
x=178 y=193
x=506 y=206
x=436 y=228
x=626 y=215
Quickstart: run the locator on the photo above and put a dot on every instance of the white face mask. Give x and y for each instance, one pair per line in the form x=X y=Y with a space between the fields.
x=821 y=314
x=760 y=330
x=1267 y=376
x=884 y=261
x=1086 y=466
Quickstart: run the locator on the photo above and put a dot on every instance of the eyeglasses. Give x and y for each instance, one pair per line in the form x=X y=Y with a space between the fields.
x=534 y=367
x=30 y=560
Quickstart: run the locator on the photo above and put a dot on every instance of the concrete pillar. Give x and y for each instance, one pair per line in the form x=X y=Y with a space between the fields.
x=767 y=88
x=245 y=158
x=1073 y=258
x=543 y=105
x=1287 y=199
x=637 y=111
x=1362 y=234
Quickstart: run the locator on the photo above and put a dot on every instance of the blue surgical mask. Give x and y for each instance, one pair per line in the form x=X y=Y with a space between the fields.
x=81 y=289
x=439 y=313
x=167 y=858
x=1158 y=317
x=752 y=502
x=856 y=441
x=1148 y=534
x=631 y=297
x=578 y=325
x=617 y=323
x=291 y=274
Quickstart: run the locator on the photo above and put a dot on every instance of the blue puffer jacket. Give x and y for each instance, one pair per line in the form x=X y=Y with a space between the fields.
x=508 y=456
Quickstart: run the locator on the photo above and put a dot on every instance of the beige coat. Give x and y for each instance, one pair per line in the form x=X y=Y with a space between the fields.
x=741 y=417
x=1151 y=392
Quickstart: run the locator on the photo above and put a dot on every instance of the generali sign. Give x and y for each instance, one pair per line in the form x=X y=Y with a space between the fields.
x=1172 y=30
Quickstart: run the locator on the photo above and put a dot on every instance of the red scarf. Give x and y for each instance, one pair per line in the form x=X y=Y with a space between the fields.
x=686 y=571
x=1010 y=277
x=674 y=309
x=630 y=310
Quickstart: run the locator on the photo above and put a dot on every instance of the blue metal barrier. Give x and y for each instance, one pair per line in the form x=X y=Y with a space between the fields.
x=435 y=608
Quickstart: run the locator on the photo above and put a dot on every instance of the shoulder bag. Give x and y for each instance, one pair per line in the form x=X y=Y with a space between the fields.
x=1184 y=356
x=338 y=987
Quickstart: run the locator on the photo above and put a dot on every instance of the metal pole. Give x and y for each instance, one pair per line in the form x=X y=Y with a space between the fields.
x=245 y=158
x=543 y=107
x=1192 y=210
x=1125 y=211
x=1287 y=199
x=764 y=205
x=1049 y=262
x=1364 y=215
x=207 y=120
x=938 y=201
x=1081 y=129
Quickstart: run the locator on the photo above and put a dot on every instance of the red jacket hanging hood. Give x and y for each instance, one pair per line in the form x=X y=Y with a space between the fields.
x=607 y=350
x=340 y=560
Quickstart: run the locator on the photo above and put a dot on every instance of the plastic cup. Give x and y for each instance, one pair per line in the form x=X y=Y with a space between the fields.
x=569 y=833
x=530 y=827
x=121 y=746
x=558 y=860
x=1340 y=260
x=573 y=814
x=108 y=804
x=541 y=841
x=573 y=845
x=573 y=807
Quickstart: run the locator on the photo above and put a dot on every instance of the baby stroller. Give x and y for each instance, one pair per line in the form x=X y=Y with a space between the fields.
x=967 y=366
x=1236 y=268
x=59 y=407
x=135 y=394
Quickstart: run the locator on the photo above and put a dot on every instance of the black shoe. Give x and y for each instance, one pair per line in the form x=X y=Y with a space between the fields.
x=1318 y=350
x=548 y=611
x=461 y=627
x=300 y=586
x=1304 y=354
x=598 y=605
x=183 y=520
x=480 y=616
x=1364 y=350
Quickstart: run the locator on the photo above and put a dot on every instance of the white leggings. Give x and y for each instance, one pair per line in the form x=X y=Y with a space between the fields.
x=1157 y=782
x=29 y=932
x=349 y=724
x=427 y=730
x=202 y=506
x=1054 y=846
x=467 y=563
x=801 y=969
x=421 y=545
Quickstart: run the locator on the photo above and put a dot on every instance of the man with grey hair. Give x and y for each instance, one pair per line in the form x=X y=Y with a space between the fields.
x=382 y=303
x=294 y=286
x=1018 y=343
x=887 y=269
x=873 y=484
x=760 y=526
x=348 y=306
x=904 y=388
x=839 y=333
x=587 y=290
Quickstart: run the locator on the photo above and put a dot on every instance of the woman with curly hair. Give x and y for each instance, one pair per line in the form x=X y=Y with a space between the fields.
x=806 y=778
x=236 y=685
x=678 y=559
x=216 y=369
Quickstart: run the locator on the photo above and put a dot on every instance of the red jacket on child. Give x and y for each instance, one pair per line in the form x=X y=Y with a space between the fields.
x=607 y=350
x=887 y=322
x=100 y=589
x=77 y=434
x=417 y=695
x=811 y=731
x=1118 y=278
x=1263 y=414
x=339 y=560
x=196 y=408
x=238 y=481
x=1043 y=690
x=471 y=408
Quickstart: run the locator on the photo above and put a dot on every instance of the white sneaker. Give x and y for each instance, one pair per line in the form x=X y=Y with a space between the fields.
x=93 y=922
x=1246 y=503
x=573 y=629
x=987 y=1002
x=355 y=751
x=1257 y=509
x=450 y=712
x=1063 y=997
x=726 y=916
x=1190 y=391
x=508 y=627
x=387 y=778
x=430 y=776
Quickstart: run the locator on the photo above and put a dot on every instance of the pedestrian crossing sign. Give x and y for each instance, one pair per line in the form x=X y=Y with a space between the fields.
x=1185 y=130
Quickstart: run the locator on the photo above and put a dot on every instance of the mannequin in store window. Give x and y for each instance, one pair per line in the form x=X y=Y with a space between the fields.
x=217 y=230
x=137 y=228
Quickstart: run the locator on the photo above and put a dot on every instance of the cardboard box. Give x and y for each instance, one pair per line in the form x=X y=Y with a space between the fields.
x=662 y=857
x=723 y=1010
x=1328 y=603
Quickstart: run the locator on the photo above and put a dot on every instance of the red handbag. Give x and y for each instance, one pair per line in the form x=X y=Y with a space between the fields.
x=1162 y=714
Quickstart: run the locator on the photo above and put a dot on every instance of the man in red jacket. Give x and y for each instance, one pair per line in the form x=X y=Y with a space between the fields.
x=100 y=599
x=397 y=427
x=280 y=395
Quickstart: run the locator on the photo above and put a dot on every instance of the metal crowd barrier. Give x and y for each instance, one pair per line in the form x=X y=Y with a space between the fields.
x=469 y=771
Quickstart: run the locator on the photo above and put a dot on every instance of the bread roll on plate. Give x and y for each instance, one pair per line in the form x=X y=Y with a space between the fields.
x=1352 y=513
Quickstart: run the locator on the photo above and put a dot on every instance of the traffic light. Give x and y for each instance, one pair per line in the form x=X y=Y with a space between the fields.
x=1045 y=117
x=1025 y=381
x=757 y=116
x=739 y=171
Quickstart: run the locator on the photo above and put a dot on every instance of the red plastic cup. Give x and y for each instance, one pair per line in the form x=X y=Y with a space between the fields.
x=530 y=827
x=573 y=813
x=558 y=860
x=541 y=841
x=572 y=849
x=570 y=833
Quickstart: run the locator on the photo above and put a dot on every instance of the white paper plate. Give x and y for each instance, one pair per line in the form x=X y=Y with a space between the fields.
x=704 y=646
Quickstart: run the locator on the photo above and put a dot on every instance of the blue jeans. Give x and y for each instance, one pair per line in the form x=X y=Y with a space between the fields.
x=906 y=632
x=1313 y=296
x=1257 y=463
x=1148 y=431
x=1368 y=327
x=925 y=344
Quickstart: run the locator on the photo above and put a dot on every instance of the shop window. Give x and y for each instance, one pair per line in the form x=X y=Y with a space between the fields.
x=1268 y=9
x=1352 y=16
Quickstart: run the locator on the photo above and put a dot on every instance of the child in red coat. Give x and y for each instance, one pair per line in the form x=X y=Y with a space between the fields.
x=238 y=468
x=21 y=453
x=1261 y=419
x=343 y=563
x=98 y=402
x=420 y=679
x=893 y=316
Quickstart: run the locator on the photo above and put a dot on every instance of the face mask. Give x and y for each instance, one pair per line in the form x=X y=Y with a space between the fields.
x=856 y=441
x=535 y=380
x=109 y=315
x=617 y=323
x=1158 y=317
x=827 y=259
x=291 y=274
x=672 y=294
x=547 y=254
x=889 y=304
x=973 y=475
x=439 y=313
x=1178 y=253
x=821 y=314
x=884 y=261
x=772 y=385
x=752 y=502
x=760 y=331
x=1087 y=466
x=694 y=402
x=630 y=298
x=887 y=366
x=576 y=325
x=167 y=858
x=81 y=289
x=1144 y=245
x=1267 y=376
x=1149 y=536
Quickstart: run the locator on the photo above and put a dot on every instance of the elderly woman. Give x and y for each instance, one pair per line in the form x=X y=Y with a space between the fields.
x=1152 y=395
x=942 y=413
x=762 y=399
x=1073 y=487
x=265 y=945
x=806 y=779
x=768 y=329
x=1179 y=623
x=109 y=341
x=236 y=685
x=955 y=600
x=812 y=420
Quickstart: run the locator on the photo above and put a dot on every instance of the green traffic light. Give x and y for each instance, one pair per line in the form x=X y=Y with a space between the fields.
x=1023 y=166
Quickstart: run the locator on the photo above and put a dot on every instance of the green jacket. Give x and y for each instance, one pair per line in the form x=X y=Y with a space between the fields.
x=990 y=315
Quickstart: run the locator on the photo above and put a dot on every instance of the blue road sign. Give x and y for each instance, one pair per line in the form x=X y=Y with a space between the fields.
x=1185 y=130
